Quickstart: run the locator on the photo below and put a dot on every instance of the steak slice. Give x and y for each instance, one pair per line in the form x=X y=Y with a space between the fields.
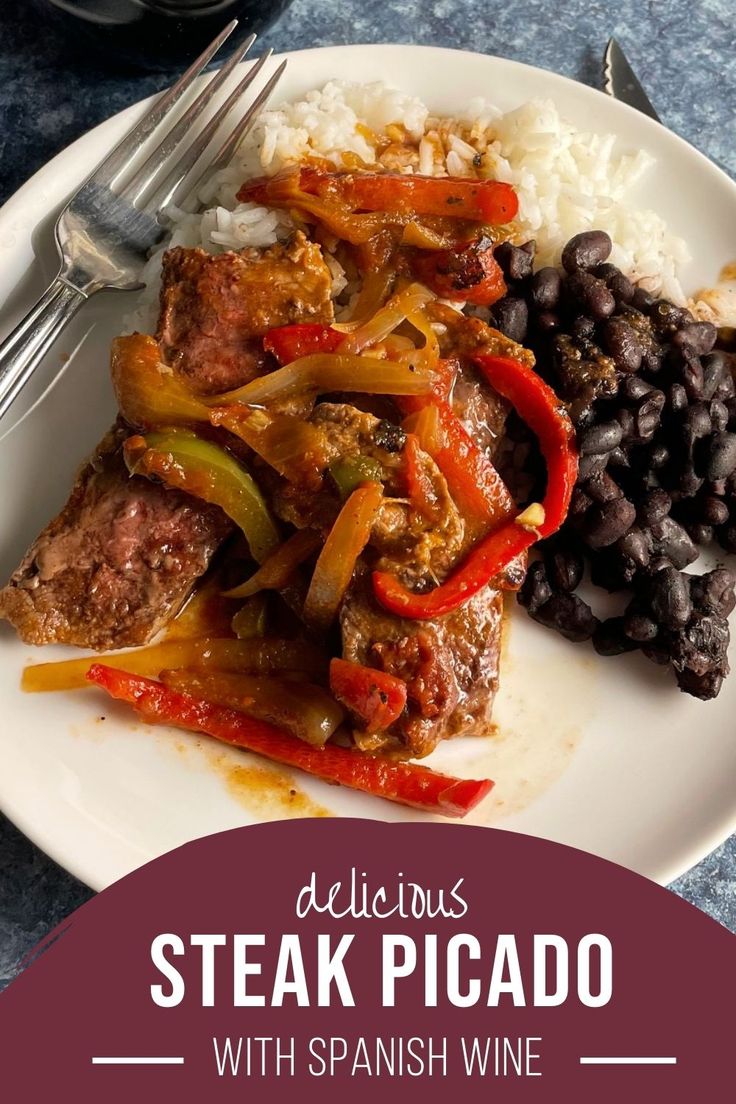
x=216 y=307
x=450 y=665
x=116 y=564
x=123 y=555
x=481 y=410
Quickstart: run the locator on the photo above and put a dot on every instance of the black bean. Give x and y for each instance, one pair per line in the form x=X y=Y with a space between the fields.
x=727 y=538
x=719 y=416
x=535 y=590
x=705 y=687
x=654 y=506
x=627 y=420
x=652 y=361
x=671 y=540
x=618 y=458
x=726 y=388
x=697 y=421
x=610 y=570
x=569 y=615
x=636 y=546
x=600 y=438
x=585 y=250
x=606 y=271
x=605 y=523
x=634 y=388
x=702 y=645
x=545 y=289
x=621 y=342
x=642 y=300
x=659 y=563
x=669 y=597
x=640 y=628
x=603 y=488
x=515 y=262
x=668 y=318
x=657 y=653
x=548 y=322
x=700 y=532
x=695 y=339
x=592 y=294
x=690 y=483
x=583 y=328
x=621 y=288
x=693 y=378
x=714 y=372
x=721 y=457
x=658 y=456
x=609 y=639
x=530 y=247
x=714 y=592
x=714 y=510
x=579 y=502
x=564 y=566
x=676 y=398
x=649 y=414
x=591 y=465
x=511 y=316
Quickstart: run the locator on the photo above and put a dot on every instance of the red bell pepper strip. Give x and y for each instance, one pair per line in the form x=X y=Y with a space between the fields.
x=540 y=408
x=375 y=696
x=406 y=783
x=289 y=343
x=487 y=201
x=476 y=487
x=469 y=272
x=419 y=486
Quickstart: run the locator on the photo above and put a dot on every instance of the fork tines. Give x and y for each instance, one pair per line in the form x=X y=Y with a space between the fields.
x=165 y=176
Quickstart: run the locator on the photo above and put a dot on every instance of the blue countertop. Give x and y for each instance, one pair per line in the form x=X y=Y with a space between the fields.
x=683 y=54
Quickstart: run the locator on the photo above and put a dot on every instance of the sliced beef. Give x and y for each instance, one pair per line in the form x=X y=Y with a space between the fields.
x=116 y=564
x=216 y=307
x=403 y=540
x=123 y=554
x=481 y=410
x=450 y=665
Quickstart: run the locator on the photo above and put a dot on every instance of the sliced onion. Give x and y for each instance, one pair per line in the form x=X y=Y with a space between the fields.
x=336 y=563
x=301 y=707
x=399 y=306
x=279 y=568
x=331 y=372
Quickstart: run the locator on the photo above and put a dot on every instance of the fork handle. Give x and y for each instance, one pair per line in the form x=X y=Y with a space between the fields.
x=23 y=348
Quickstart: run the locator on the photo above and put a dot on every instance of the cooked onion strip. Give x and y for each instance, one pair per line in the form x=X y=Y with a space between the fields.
x=373 y=294
x=292 y=446
x=334 y=568
x=149 y=394
x=256 y=656
x=280 y=566
x=331 y=372
x=304 y=709
x=399 y=306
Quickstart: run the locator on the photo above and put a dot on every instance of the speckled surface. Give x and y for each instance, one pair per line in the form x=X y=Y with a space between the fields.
x=48 y=96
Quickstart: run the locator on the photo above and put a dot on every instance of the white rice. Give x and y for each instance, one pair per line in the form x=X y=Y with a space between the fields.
x=567 y=180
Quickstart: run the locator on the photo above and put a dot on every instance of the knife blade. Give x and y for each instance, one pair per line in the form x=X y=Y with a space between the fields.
x=621 y=82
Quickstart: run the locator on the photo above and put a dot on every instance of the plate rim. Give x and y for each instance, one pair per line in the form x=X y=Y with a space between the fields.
x=84 y=867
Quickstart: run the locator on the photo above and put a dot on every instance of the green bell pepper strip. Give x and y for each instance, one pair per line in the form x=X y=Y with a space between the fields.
x=189 y=463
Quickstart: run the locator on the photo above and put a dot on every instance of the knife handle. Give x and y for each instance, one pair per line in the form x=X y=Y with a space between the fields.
x=24 y=347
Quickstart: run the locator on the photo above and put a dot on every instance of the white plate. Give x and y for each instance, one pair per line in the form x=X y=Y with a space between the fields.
x=604 y=755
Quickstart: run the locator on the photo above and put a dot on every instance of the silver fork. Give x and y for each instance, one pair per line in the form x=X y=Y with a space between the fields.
x=107 y=229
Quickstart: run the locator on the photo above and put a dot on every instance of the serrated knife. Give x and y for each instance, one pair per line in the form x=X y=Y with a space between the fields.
x=621 y=82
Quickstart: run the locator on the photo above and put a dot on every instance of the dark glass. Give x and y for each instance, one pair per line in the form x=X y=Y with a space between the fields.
x=157 y=34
